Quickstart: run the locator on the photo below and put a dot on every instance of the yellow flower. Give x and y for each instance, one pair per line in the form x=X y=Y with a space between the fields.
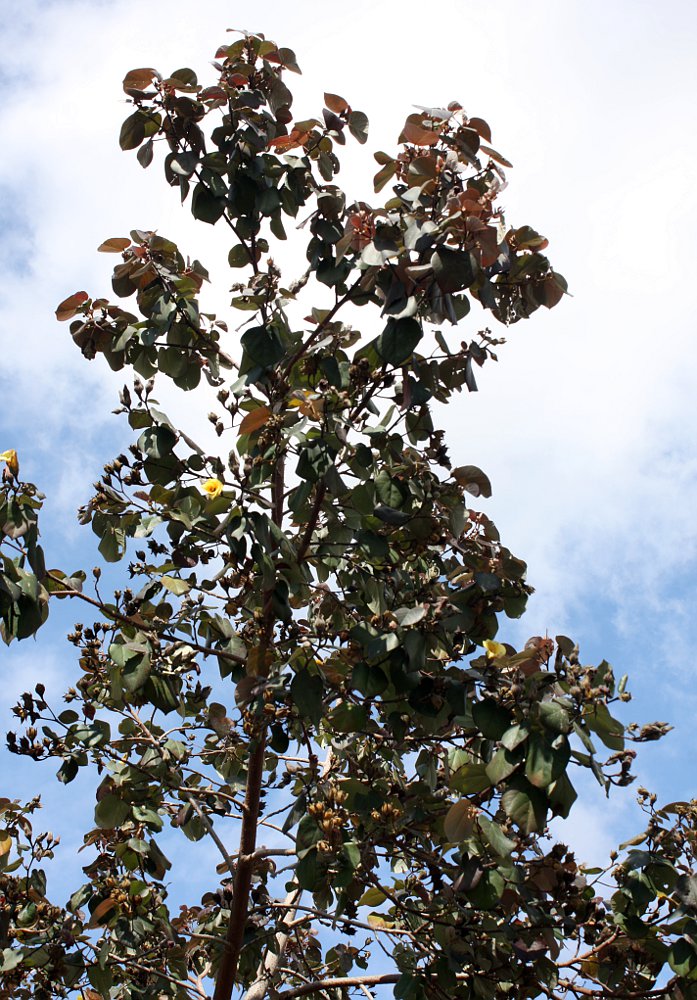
x=494 y=649
x=10 y=457
x=213 y=487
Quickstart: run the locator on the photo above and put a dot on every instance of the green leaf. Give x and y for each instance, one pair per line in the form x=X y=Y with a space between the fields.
x=562 y=796
x=184 y=76
x=491 y=719
x=175 y=585
x=101 y=978
x=525 y=804
x=111 y=812
x=384 y=175
x=555 y=716
x=346 y=718
x=133 y=131
x=391 y=516
x=309 y=870
x=454 y=269
x=410 y=616
x=501 y=765
x=307 y=691
x=157 y=442
x=263 y=346
x=11 y=958
x=470 y=779
x=514 y=736
x=372 y=897
x=369 y=680
x=545 y=762
x=315 y=459
x=112 y=545
x=610 y=731
x=398 y=340
x=389 y=491
x=487 y=892
x=145 y=154
x=682 y=957
x=358 y=126
x=496 y=838
x=205 y=206
x=238 y=256
x=150 y=817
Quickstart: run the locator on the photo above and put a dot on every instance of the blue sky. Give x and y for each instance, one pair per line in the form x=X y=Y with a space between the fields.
x=586 y=427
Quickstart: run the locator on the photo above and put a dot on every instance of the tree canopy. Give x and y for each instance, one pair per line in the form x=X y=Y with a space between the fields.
x=303 y=662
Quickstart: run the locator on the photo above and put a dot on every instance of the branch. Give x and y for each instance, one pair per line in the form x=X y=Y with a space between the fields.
x=251 y=809
x=311 y=522
x=616 y=994
x=214 y=836
x=243 y=874
x=345 y=981
x=315 y=335
x=112 y=613
x=270 y=964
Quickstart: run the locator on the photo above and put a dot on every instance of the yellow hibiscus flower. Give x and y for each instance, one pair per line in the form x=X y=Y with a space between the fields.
x=494 y=649
x=213 y=488
x=10 y=457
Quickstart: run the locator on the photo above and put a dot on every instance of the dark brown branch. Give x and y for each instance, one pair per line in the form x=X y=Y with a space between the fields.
x=242 y=884
x=311 y=522
x=243 y=875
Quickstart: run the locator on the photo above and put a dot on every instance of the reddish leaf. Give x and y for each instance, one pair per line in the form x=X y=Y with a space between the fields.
x=255 y=420
x=101 y=910
x=69 y=307
x=480 y=126
x=285 y=58
x=139 y=79
x=336 y=104
x=384 y=174
x=116 y=244
x=415 y=133
x=213 y=94
x=495 y=156
x=282 y=143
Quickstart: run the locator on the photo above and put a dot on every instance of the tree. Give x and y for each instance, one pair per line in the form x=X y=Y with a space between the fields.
x=328 y=573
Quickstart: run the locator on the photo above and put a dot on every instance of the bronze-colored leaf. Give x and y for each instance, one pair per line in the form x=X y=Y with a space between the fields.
x=139 y=79
x=459 y=820
x=495 y=156
x=336 y=104
x=101 y=910
x=70 y=306
x=415 y=133
x=480 y=126
x=255 y=420
x=116 y=244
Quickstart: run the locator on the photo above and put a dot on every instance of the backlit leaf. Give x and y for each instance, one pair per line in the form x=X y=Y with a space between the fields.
x=114 y=245
x=459 y=820
x=255 y=420
x=69 y=307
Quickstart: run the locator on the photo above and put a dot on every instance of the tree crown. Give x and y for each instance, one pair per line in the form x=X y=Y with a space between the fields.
x=385 y=764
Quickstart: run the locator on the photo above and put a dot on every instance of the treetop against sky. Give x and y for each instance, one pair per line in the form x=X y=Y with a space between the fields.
x=320 y=564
